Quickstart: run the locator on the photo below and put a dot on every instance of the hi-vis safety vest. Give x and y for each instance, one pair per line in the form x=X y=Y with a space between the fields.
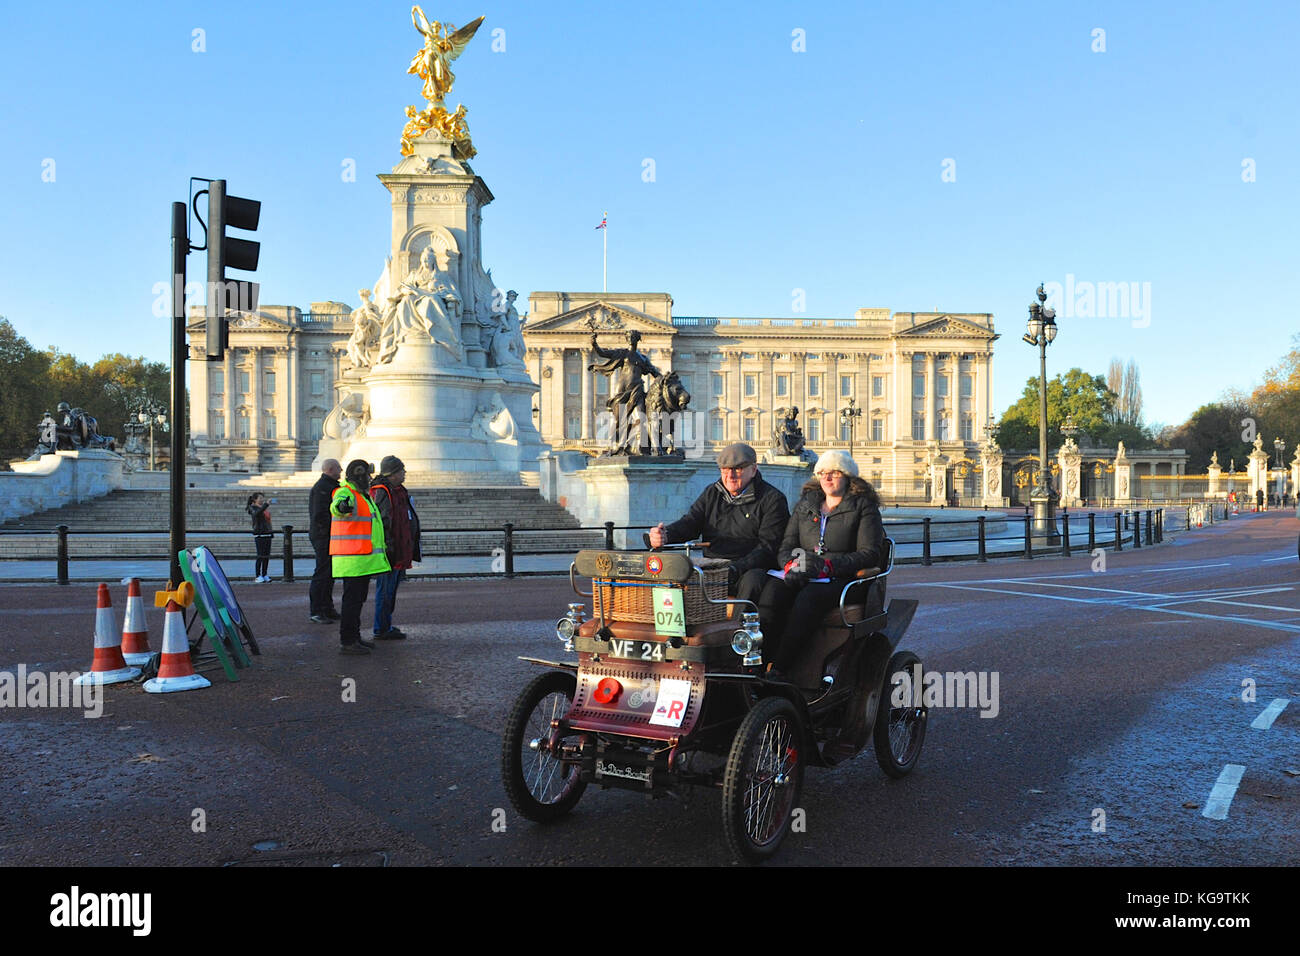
x=351 y=535
x=357 y=539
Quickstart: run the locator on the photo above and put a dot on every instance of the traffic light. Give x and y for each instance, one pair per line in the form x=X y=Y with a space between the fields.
x=228 y=252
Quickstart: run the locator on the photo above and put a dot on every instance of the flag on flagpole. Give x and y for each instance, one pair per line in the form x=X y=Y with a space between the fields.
x=602 y=222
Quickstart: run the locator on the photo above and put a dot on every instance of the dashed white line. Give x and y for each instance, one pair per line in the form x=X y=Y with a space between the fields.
x=1225 y=788
x=1285 y=557
x=1270 y=714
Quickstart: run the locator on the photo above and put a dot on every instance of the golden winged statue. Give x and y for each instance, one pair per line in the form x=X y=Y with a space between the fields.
x=442 y=44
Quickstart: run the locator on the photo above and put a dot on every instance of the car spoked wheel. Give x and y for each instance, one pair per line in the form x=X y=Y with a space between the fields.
x=540 y=785
x=761 y=784
x=899 y=731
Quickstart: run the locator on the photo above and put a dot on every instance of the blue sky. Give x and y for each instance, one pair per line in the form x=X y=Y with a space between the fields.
x=774 y=169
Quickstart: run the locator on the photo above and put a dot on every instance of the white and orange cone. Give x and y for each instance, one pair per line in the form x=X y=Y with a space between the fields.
x=135 y=635
x=175 y=670
x=108 y=666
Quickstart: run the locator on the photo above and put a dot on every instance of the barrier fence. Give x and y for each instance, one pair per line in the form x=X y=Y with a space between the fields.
x=1069 y=533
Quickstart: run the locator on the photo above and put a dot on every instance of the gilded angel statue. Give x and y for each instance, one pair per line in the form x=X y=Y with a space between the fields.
x=442 y=44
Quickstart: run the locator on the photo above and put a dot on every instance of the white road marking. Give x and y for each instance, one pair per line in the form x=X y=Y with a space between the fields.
x=1270 y=714
x=1266 y=607
x=1285 y=557
x=1225 y=788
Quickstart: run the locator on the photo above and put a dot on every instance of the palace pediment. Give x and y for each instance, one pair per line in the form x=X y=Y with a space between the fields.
x=247 y=322
x=947 y=326
x=602 y=316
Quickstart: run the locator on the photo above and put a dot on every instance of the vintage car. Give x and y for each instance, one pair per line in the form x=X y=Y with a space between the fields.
x=669 y=689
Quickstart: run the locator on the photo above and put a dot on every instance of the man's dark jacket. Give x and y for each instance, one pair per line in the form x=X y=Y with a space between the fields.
x=746 y=529
x=318 y=509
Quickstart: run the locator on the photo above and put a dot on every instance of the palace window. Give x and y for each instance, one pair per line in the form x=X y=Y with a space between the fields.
x=941 y=385
x=814 y=428
x=943 y=429
x=244 y=383
x=314 y=425
x=814 y=386
x=571 y=429
x=877 y=386
x=218 y=426
x=967 y=428
x=574 y=383
x=716 y=429
x=243 y=426
x=719 y=384
x=966 y=385
x=602 y=385
x=751 y=428
x=918 y=385
x=317 y=383
x=918 y=428
x=844 y=431
x=751 y=385
x=877 y=429
x=218 y=383
x=268 y=424
x=268 y=383
x=846 y=386
x=782 y=386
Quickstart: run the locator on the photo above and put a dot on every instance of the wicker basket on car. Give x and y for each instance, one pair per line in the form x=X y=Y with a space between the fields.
x=622 y=600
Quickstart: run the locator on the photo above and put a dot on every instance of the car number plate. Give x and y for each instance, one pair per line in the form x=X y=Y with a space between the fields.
x=650 y=651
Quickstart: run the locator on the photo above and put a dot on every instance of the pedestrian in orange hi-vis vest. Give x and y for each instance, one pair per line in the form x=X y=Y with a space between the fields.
x=357 y=550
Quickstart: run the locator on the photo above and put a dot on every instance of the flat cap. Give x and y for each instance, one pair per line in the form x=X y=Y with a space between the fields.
x=390 y=465
x=737 y=455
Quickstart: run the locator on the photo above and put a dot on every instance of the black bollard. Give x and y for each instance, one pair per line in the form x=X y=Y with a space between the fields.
x=609 y=536
x=1092 y=531
x=62 y=558
x=288 y=553
x=1119 y=534
x=1065 y=533
x=510 y=550
x=1149 y=523
x=1029 y=545
x=983 y=556
x=925 y=542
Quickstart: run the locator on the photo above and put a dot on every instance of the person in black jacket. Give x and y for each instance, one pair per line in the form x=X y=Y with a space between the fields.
x=835 y=531
x=258 y=506
x=318 y=531
x=741 y=516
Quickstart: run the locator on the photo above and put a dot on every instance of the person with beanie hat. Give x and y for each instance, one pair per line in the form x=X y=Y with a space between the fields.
x=402 y=536
x=357 y=549
x=834 y=532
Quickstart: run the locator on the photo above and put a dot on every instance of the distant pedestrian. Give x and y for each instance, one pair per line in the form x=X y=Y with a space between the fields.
x=258 y=508
x=1259 y=499
x=401 y=535
x=318 y=532
x=357 y=551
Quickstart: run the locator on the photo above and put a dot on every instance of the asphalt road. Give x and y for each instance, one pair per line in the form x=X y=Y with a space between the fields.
x=1120 y=703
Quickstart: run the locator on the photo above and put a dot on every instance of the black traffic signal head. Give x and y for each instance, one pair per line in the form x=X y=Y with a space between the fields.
x=228 y=252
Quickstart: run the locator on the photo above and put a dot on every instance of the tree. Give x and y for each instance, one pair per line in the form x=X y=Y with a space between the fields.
x=1125 y=382
x=1075 y=394
x=22 y=369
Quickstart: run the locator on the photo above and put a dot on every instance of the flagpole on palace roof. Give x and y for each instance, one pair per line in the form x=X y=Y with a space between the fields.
x=604 y=262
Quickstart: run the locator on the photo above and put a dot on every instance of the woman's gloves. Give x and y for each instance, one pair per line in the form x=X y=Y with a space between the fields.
x=797 y=577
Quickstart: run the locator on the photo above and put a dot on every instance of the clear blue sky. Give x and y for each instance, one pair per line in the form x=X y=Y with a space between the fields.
x=775 y=170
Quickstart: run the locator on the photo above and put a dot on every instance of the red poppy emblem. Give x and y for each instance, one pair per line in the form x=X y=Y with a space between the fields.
x=654 y=564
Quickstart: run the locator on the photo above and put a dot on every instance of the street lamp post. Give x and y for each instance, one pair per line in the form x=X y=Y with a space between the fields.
x=151 y=413
x=849 y=417
x=1279 y=446
x=1042 y=331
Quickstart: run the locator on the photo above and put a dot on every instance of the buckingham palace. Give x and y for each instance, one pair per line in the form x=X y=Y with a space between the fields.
x=922 y=381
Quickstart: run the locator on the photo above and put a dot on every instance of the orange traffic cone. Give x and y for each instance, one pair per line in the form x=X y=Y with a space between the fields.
x=175 y=670
x=108 y=667
x=135 y=635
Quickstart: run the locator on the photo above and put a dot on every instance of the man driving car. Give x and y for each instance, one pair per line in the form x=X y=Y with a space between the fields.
x=742 y=517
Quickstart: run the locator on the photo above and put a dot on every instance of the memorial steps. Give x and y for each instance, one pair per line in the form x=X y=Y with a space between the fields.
x=217 y=517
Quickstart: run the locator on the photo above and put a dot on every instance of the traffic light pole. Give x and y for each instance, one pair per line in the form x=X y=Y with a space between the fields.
x=180 y=423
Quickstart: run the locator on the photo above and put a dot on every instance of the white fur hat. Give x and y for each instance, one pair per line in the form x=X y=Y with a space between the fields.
x=836 y=460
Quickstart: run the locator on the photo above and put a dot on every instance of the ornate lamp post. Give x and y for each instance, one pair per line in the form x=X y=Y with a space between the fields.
x=151 y=413
x=1042 y=331
x=849 y=417
x=1279 y=446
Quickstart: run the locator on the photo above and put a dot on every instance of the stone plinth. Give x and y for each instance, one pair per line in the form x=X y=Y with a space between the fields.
x=59 y=479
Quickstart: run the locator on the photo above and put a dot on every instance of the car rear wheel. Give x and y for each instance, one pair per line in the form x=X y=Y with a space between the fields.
x=899 y=731
x=540 y=785
x=762 y=780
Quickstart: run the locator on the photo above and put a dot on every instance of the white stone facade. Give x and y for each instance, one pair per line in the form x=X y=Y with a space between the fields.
x=922 y=380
